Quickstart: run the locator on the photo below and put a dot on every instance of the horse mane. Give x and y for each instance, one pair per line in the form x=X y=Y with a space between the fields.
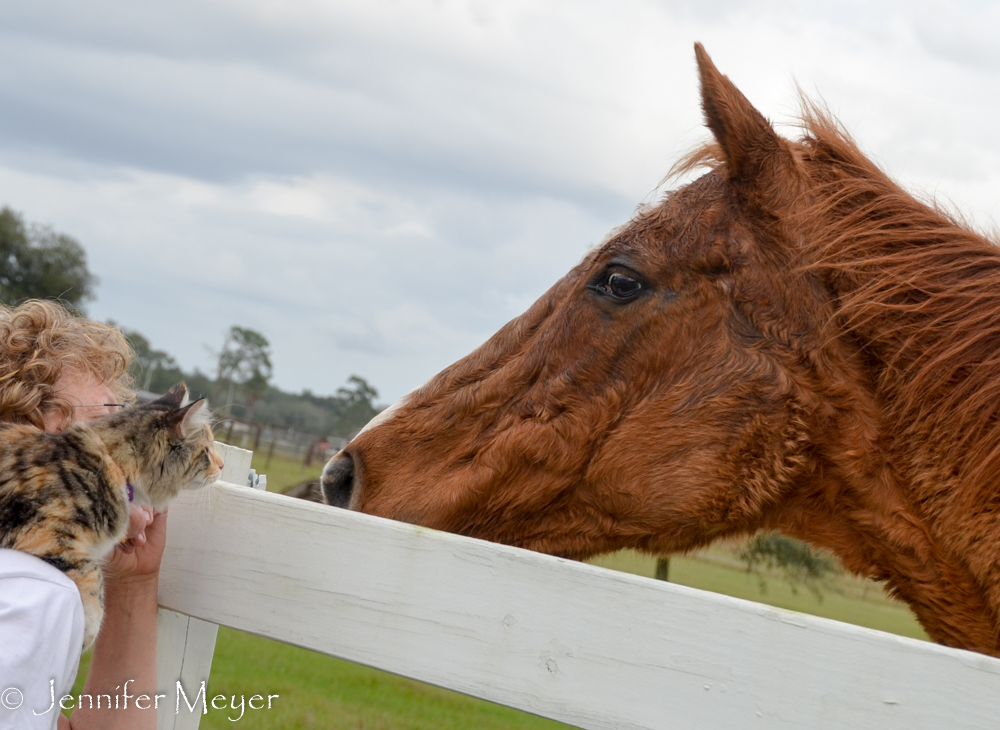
x=916 y=287
x=919 y=289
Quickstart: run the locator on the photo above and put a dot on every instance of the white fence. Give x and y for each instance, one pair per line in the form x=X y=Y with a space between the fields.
x=569 y=641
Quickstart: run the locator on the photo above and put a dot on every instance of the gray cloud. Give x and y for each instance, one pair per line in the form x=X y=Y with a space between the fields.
x=378 y=186
x=224 y=96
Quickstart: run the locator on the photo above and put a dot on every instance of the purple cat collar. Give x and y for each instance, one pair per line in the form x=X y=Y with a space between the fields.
x=129 y=485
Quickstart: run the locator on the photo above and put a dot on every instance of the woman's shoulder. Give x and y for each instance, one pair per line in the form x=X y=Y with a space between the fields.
x=41 y=632
x=33 y=592
x=16 y=564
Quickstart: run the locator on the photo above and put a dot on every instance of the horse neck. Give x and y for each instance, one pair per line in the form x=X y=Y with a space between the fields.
x=906 y=496
x=870 y=524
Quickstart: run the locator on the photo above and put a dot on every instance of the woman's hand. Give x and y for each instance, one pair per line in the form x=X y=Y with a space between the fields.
x=138 y=520
x=138 y=558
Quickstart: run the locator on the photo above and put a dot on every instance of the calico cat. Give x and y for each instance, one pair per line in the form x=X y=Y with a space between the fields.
x=65 y=497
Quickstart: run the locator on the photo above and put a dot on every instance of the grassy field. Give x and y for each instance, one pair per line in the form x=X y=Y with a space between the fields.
x=317 y=691
x=283 y=472
x=843 y=598
x=320 y=692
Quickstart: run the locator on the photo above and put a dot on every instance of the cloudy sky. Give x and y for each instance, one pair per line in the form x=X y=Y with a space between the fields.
x=377 y=186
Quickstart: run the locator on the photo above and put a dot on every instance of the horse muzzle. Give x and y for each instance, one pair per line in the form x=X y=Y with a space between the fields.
x=338 y=480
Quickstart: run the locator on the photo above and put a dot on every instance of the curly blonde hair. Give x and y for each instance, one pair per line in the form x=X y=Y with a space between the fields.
x=39 y=340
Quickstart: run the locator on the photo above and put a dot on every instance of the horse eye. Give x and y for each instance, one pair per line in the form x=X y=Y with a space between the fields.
x=622 y=286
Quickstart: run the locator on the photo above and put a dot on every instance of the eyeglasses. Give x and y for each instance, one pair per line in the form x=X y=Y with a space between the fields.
x=100 y=405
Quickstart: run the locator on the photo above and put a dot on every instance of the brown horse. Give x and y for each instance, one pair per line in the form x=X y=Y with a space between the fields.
x=790 y=342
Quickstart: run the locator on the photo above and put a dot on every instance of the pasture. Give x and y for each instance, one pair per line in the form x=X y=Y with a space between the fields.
x=284 y=472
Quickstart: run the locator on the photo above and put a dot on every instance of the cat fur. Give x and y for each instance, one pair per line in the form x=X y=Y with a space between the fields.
x=64 y=496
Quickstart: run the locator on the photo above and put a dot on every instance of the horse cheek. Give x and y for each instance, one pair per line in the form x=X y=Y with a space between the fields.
x=697 y=474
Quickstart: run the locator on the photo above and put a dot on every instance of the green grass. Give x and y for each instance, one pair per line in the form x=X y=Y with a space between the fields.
x=317 y=691
x=843 y=598
x=283 y=472
x=81 y=676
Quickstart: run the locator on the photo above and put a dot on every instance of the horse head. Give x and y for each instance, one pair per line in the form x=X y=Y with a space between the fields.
x=625 y=404
x=700 y=373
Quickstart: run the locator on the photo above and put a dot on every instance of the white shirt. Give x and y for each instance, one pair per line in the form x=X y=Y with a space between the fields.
x=41 y=637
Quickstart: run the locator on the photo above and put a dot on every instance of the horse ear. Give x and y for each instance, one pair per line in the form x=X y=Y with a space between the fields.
x=750 y=145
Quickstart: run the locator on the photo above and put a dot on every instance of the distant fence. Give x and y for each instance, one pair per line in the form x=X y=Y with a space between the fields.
x=561 y=639
x=269 y=439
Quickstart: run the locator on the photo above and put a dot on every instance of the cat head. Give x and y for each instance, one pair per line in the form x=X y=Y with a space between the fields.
x=163 y=446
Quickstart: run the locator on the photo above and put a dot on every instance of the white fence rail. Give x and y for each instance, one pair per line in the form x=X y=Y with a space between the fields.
x=569 y=641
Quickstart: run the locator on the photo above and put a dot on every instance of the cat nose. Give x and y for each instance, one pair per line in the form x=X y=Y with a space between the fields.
x=338 y=480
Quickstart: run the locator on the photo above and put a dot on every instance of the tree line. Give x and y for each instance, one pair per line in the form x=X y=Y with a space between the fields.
x=37 y=262
x=241 y=387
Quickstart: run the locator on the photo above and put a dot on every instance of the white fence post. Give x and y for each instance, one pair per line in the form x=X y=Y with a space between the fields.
x=185 y=645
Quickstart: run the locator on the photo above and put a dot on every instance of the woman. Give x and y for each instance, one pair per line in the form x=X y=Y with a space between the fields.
x=56 y=369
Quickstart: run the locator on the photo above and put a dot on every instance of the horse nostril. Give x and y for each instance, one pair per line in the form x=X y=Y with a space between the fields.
x=338 y=480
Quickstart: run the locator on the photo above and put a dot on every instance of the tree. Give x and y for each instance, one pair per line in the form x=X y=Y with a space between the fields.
x=358 y=403
x=244 y=361
x=349 y=409
x=360 y=392
x=38 y=263
x=149 y=362
x=798 y=563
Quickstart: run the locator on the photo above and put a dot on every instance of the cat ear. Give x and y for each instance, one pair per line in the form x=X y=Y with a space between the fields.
x=176 y=397
x=190 y=418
